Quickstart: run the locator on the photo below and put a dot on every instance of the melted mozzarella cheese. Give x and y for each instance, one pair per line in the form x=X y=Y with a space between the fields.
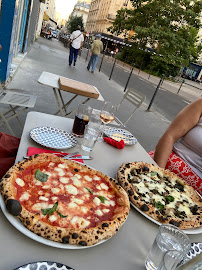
x=64 y=180
x=103 y=186
x=46 y=187
x=99 y=212
x=42 y=198
x=88 y=178
x=55 y=190
x=105 y=210
x=63 y=165
x=96 y=178
x=71 y=189
x=39 y=206
x=78 y=176
x=72 y=205
x=20 y=182
x=52 y=218
x=76 y=182
x=60 y=171
x=96 y=201
x=84 y=210
x=25 y=196
x=79 y=222
x=79 y=201
x=108 y=203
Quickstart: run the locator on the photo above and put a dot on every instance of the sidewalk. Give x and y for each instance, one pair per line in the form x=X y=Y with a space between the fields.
x=51 y=56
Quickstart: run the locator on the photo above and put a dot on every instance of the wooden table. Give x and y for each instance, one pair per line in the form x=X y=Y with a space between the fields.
x=51 y=80
x=125 y=250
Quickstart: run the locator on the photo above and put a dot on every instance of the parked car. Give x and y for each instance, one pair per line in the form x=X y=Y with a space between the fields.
x=54 y=34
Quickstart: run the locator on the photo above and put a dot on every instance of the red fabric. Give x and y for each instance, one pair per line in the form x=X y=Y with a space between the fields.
x=8 y=150
x=119 y=145
x=178 y=166
x=33 y=150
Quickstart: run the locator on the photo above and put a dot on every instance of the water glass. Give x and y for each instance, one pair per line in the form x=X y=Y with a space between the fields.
x=171 y=259
x=90 y=137
x=169 y=237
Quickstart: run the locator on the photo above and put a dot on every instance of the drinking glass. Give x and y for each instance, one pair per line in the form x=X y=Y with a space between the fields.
x=169 y=237
x=90 y=137
x=171 y=259
x=81 y=119
x=107 y=114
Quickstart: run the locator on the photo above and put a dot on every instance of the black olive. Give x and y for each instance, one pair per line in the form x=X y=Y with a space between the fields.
x=144 y=207
x=76 y=170
x=127 y=165
x=175 y=223
x=65 y=239
x=14 y=207
x=135 y=197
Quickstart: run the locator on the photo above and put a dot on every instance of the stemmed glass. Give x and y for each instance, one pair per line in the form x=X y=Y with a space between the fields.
x=107 y=115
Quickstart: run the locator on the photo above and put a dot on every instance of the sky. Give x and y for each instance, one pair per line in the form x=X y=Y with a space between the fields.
x=65 y=7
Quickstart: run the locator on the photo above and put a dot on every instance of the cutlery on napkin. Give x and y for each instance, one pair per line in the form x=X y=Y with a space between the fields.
x=34 y=150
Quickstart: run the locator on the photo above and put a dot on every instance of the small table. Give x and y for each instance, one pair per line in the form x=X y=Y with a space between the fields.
x=125 y=250
x=51 y=80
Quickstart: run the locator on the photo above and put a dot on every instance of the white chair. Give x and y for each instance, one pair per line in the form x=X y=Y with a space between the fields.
x=18 y=103
x=134 y=97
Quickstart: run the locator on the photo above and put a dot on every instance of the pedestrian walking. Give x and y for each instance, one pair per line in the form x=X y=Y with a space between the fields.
x=76 y=41
x=96 y=49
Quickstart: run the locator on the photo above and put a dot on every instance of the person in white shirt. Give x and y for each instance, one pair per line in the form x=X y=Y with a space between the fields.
x=76 y=40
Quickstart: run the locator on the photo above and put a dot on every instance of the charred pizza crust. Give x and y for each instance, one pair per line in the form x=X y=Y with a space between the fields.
x=81 y=236
x=185 y=211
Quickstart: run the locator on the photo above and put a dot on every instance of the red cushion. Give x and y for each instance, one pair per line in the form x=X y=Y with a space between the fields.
x=8 y=150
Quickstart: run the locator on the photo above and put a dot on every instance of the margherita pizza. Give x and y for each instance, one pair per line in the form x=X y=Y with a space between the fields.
x=64 y=201
x=161 y=194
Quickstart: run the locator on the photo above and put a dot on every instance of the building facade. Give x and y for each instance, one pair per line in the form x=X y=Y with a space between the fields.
x=50 y=8
x=17 y=27
x=102 y=13
x=82 y=9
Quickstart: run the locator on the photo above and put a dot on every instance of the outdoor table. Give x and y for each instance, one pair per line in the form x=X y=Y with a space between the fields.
x=125 y=250
x=51 y=80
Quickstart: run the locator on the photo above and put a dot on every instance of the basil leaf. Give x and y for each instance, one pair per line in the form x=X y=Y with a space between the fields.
x=102 y=198
x=49 y=211
x=153 y=173
x=89 y=190
x=61 y=215
x=158 y=205
x=169 y=198
x=41 y=176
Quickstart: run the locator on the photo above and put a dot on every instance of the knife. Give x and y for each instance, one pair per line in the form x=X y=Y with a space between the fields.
x=81 y=157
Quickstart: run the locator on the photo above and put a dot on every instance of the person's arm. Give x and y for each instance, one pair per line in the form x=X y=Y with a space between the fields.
x=184 y=122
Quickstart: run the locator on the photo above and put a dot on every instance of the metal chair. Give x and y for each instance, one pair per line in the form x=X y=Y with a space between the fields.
x=134 y=97
x=18 y=103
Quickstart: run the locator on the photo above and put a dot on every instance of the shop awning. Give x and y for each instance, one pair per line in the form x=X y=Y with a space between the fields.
x=46 y=17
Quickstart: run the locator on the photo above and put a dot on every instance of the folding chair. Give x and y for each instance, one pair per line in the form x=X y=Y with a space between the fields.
x=134 y=97
x=18 y=103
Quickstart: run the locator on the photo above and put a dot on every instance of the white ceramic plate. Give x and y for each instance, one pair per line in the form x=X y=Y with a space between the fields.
x=20 y=227
x=187 y=231
x=114 y=133
x=53 y=137
x=44 y=265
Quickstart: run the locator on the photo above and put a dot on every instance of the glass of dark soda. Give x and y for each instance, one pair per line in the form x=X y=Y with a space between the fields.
x=81 y=119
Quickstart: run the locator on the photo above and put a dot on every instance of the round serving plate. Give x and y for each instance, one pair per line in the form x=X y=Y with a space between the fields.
x=120 y=134
x=44 y=266
x=53 y=137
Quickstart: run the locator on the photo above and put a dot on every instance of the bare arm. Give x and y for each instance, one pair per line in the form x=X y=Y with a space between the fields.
x=184 y=122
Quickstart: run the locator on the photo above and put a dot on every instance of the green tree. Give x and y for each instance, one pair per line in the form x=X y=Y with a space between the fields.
x=169 y=27
x=73 y=22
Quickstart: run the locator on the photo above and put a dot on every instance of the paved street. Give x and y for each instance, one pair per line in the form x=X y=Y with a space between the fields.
x=51 y=56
